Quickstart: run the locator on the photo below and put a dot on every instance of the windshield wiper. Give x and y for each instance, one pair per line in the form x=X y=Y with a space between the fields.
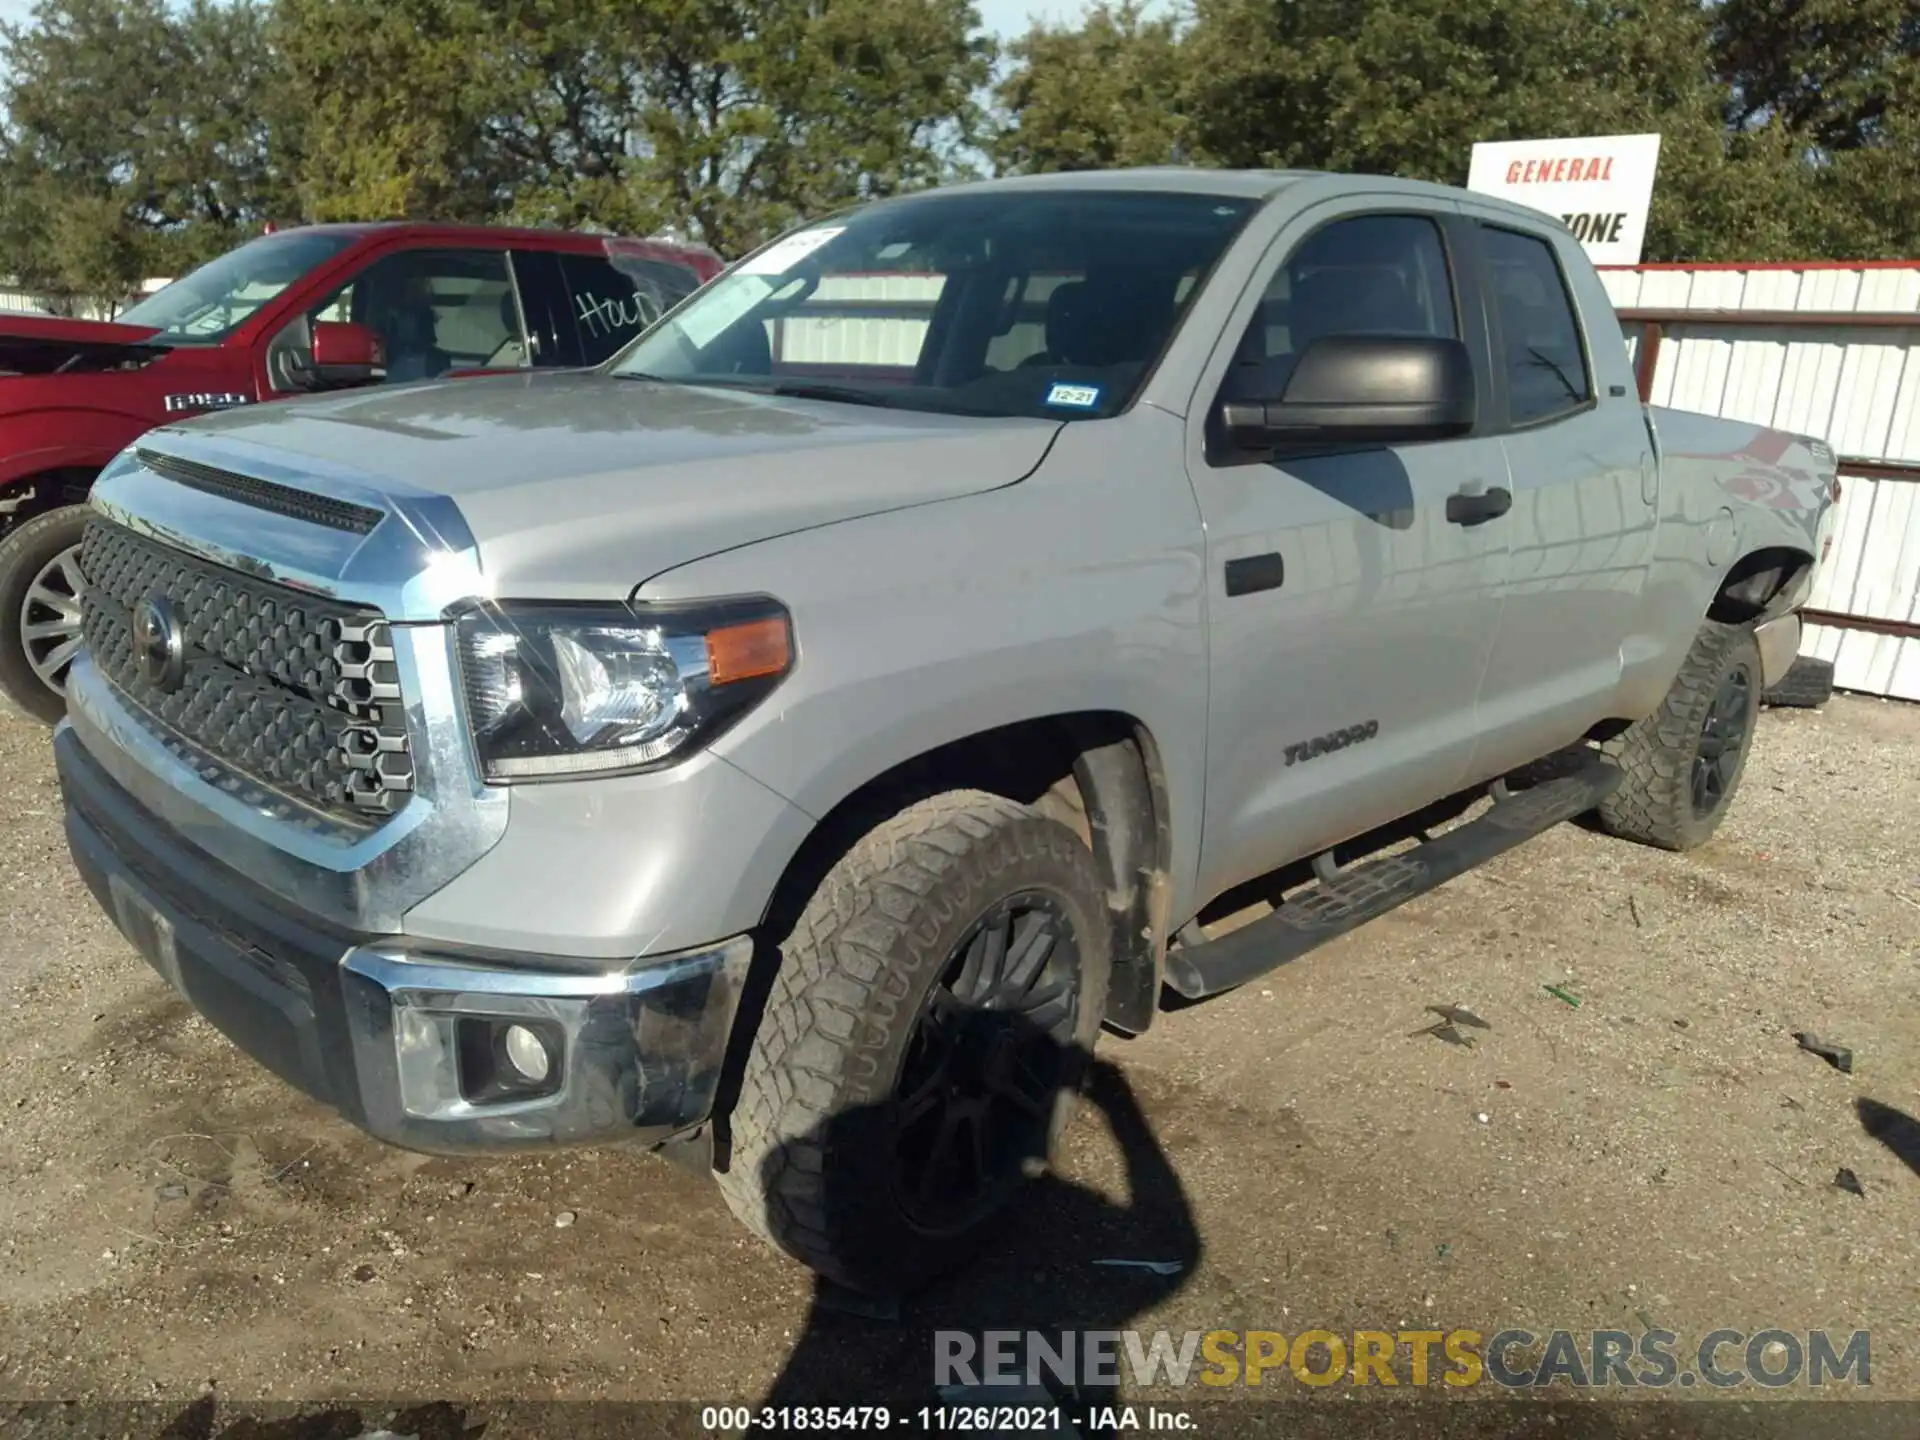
x=802 y=390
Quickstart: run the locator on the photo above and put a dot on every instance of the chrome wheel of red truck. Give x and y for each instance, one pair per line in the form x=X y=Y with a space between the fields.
x=40 y=587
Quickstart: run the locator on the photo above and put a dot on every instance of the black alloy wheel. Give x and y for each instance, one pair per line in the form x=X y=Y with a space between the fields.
x=920 y=1049
x=1723 y=740
x=975 y=1098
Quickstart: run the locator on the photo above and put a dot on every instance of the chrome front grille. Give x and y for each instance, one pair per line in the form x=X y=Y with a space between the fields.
x=295 y=692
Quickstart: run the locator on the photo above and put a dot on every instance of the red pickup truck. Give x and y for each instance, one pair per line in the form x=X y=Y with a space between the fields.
x=292 y=312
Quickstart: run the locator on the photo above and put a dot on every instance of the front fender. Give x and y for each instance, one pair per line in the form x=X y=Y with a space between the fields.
x=70 y=439
x=1080 y=589
x=1076 y=590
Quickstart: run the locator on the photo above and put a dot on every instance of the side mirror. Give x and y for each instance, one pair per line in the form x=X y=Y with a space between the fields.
x=1362 y=389
x=347 y=354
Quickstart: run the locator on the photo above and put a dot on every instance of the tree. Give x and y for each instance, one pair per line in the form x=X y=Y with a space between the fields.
x=1406 y=87
x=1841 y=80
x=1828 y=70
x=395 y=97
x=112 y=168
x=728 y=118
x=1108 y=93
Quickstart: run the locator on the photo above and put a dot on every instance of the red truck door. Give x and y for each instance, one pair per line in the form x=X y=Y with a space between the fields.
x=439 y=308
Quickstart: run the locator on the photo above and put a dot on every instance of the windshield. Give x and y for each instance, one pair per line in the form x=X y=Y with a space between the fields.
x=1048 y=303
x=219 y=297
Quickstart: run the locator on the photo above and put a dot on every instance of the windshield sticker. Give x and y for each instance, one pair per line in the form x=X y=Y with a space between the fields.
x=728 y=299
x=783 y=255
x=1074 y=397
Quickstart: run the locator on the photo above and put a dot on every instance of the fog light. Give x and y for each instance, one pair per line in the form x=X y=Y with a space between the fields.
x=505 y=1060
x=527 y=1053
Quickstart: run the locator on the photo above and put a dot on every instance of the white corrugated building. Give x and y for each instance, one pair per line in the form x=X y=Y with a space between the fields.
x=1819 y=349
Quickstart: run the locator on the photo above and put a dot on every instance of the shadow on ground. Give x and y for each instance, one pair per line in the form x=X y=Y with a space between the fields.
x=1895 y=1129
x=1037 y=1272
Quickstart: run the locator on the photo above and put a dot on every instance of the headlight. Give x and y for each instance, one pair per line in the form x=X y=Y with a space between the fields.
x=559 y=690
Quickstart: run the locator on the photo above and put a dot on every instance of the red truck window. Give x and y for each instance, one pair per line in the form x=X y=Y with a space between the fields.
x=438 y=310
x=614 y=300
x=215 y=300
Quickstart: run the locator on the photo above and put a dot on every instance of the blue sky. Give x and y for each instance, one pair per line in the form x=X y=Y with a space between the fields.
x=1003 y=17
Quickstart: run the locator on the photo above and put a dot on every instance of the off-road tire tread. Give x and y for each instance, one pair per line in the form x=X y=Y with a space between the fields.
x=1653 y=804
x=838 y=983
x=1807 y=685
x=20 y=686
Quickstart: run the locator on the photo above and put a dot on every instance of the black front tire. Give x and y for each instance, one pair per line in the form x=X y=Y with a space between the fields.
x=830 y=1116
x=40 y=610
x=1683 y=763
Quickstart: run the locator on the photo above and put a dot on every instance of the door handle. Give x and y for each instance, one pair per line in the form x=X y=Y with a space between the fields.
x=1476 y=507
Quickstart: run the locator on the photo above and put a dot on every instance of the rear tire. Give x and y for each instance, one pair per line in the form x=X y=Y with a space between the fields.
x=1807 y=685
x=851 y=1118
x=1683 y=763
x=40 y=585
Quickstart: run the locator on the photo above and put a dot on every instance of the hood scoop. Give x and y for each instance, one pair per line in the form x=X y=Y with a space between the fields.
x=263 y=494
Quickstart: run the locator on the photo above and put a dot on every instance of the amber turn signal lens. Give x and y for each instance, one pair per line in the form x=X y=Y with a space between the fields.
x=749 y=650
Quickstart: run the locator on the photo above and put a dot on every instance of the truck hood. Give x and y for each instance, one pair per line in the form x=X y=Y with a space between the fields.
x=580 y=485
x=50 y=344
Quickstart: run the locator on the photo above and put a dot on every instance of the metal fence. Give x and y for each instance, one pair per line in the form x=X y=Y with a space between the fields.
x=1831 y=350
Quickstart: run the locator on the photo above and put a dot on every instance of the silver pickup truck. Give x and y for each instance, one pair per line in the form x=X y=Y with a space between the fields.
x=792 y=742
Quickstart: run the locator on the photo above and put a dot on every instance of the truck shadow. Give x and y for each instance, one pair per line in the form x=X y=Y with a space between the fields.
x=1895 y=1129
x=1036 y=1270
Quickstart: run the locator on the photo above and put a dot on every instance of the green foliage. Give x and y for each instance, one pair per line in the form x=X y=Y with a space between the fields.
x=140 y=136
x=392 y=100
x=1831 y=71
x=726 y=118
x=1789 y=125
x=110 y=166
x=1111 y=92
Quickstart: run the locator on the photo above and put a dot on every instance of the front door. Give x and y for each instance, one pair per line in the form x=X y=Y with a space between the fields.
x=437 y=310
x=1350 y=620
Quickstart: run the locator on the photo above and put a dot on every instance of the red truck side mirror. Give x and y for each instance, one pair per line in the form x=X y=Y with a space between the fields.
x=347 y=354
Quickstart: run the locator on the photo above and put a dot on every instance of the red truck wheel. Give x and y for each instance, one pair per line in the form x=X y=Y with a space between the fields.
x=40 y=585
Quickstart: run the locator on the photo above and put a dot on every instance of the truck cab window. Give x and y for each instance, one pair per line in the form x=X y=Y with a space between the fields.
x=1539 y=336
x=1371 y=275
x=614 y=300
x=438 y=310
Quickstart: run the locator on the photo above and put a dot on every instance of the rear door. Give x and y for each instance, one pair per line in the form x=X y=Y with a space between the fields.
x=1349 y=619
x=1584 y=488
x=583 y=307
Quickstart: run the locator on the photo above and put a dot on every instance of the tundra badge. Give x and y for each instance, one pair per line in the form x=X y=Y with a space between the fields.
x=1337 y=740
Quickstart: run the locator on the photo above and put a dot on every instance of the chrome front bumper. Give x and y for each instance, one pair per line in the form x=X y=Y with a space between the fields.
x=389 y=1033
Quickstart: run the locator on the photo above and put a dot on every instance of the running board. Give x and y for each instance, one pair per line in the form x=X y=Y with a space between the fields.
x=1340 y=901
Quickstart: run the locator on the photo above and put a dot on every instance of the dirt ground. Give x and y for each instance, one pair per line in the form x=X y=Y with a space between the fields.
x=174 y=1223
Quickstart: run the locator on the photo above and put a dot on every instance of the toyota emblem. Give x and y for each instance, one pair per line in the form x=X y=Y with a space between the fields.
x=159 y=644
